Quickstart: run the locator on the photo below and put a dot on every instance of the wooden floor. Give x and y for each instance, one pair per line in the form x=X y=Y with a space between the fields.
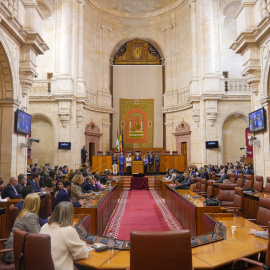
x=127 y=180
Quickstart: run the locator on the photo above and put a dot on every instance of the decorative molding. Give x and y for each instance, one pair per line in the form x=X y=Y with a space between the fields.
x=182 y=129
x=64 y=119
x=27 y=77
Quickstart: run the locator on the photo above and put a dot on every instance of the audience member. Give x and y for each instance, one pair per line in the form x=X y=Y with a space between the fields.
x=76 y=190
x=90 y=184
x=224 y=175
x=66 y=245
x=22 y=180
x=262 y=234
x=204 y=174
x=27 y=221
x=59 y=186
x=63 y=196
x=186 y=182
x=10 y=191
x=34 y=182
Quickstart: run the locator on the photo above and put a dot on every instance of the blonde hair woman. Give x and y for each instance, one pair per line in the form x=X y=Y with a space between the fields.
x=76 y=192
x=66 y=245
x=27 y=220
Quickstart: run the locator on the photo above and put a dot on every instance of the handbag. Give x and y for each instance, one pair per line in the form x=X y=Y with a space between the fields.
x=212 y=202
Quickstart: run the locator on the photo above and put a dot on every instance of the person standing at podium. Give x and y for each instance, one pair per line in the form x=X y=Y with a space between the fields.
x=121 y=163
x=114 y=163
x=151 y=160
x=137 y=157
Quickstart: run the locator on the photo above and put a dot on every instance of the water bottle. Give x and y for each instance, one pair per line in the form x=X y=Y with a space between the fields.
x=111 y=241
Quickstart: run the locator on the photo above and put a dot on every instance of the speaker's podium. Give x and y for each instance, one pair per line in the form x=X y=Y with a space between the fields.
x=137 y=166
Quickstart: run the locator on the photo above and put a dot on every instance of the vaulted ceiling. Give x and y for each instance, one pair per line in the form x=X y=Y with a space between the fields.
x=136 y=6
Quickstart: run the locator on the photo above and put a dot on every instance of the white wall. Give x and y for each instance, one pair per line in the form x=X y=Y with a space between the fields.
x=139 y=82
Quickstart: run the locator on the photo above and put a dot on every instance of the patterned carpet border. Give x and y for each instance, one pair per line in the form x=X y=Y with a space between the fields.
x=115 y=220
x=168 y=216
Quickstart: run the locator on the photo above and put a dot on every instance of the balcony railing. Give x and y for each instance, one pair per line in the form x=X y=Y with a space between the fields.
x=237 y=85
x=40 y=87
x=183 y=97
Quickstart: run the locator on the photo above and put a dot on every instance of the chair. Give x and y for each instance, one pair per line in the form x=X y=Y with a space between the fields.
x=34 y=258
x=108 y=153
x=263 y=215
x=248 y=183
x=174 y=152
x=2 y=187
x=13 y=213
x=226 y=194
x=198 y=184
x=239 y=182
x=203 y=187
x=99 y=153
x=258 y=186
x=250 y=177
x=157 y=152
x=160 y=250
x=167 y=152
x=46 y=206
x=232 y=178
x=267 y=185
x=255 y=263
x=240 y=175
x=210 y=189
x=213 y=175
x=238 y=202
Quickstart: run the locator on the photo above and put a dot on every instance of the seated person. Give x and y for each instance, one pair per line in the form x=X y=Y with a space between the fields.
x=223 y=176
x=22 y=180
x=104 y=178
x=76 y=192
x=25 y=191
x=204 y=174
x=179 y=177
x=186 y=183
x=262 y=234
x=59 y=186
x=10 y=191
x=63 y=196
x=90 y=184
x=248 y=169
x=171 y=176
x=27 y=221
x=29 y=170
x=34 y=182
x=66 y=244
x=65 y=170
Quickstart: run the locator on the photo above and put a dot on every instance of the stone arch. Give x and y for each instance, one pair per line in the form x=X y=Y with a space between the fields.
x=42 y=128
x=233 y=135
x=183 y=139
x=92 y=140
x=122 y=42
x=47 y=7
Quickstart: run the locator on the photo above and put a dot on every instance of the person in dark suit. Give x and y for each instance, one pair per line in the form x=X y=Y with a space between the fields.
x=10 y=191
x=137 y=157
x=90 y=184
x=204 y=174
x=121 y=163
x=84 y=154
x=186 y=183
x=63 y=196
x=224 y=176
x=22 y=180
x=34 y=182
x=179 y=177
x=151 y=160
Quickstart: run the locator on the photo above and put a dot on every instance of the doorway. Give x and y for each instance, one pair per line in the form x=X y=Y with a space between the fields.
x=92 y=147
x=184 y=148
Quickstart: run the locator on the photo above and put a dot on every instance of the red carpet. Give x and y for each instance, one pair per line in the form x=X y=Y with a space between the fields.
x=141 y=210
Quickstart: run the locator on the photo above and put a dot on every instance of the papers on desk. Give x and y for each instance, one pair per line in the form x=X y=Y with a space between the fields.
x=3 y=200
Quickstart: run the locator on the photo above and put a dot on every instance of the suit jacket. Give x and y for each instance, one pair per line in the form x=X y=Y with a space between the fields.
x=114 y=160
x=87 y=186
x=137 y=158
x=19 y=188
x=185 y=184
x=151 y=159
x=34 y=185
x=62 y=196
x=179 y=178
x=9 y=192
x=223 y=177
x=204 y=175
x=122 y=160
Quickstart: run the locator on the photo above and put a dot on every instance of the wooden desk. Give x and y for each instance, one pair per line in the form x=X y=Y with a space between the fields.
x=2 y=222
x=137 y=166
x=100 y=210
x=188 y=211
x=159 y=185
x=100 y=163
x=212 y=256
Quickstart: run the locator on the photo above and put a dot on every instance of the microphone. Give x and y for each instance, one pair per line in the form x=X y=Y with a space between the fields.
x=80 y=216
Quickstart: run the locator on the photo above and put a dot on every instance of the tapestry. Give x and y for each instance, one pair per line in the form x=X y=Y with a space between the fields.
x=136 y=121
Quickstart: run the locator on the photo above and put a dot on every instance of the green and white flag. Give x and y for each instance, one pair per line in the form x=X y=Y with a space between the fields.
x=117 y=141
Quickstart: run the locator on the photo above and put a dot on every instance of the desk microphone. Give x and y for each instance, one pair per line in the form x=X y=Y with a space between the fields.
x=80 y=216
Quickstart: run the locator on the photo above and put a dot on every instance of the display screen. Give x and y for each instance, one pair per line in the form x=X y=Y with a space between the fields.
x=257 y=121
x=64 y=145
x=22 y=122
x=211 y=144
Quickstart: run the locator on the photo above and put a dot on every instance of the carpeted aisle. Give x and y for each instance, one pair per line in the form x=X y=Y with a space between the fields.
x=141 y=210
